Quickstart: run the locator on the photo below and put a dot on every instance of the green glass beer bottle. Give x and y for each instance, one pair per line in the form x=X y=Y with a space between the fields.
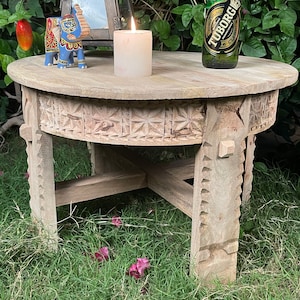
x=221 y=34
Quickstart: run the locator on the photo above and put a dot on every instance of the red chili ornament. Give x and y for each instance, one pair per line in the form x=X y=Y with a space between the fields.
x=24 y=34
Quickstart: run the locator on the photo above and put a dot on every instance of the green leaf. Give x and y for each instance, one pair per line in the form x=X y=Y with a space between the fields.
x=288 y=19
x=288 y=46
x=288 y=14
x=261 y=167
x=35 y=8
x=7 y=80
x=254 y=47
x=13 y=18
x=186 y=17
x=274 y=49
x=12 y=5
x=20 y=7
x=139 y=13
x=198 y=13
x=3 y=22
x=278 y=3
x=4 y=14
x=178 y=24
x=272 y=38
x=198 y=34
x=162 y=28
x=277 y=57
x=287 y=28
x=296 y=64
x=4 y=47
x=245 y=35
x=5 y=60
x=180 y=9
x=270 y=20
x=251 y=22
x=21 y=13
x=261 y=31
x=38 y=43
x=144 y=22
x=294 y=4
x=21 y=53
x=255 y=8
x=172 y=42
x=288 y=58
x=11 y=28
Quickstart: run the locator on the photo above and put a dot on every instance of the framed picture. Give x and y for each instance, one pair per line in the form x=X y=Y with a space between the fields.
x=103 y=17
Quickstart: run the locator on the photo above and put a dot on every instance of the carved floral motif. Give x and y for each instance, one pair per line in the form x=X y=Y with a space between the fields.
x=263 y=111
x=130 y=122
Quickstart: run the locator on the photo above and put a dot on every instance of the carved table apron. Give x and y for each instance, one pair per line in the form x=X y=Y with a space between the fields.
x=182 y=103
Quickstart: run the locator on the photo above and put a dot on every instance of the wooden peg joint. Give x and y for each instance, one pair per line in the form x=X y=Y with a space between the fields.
x=226 y=148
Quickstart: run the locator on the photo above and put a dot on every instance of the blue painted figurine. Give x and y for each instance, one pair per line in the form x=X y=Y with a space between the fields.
x=64 y=36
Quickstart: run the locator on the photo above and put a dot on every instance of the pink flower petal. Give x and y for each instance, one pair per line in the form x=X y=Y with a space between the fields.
x=134 y=272
x=137 y=270
x=116 y=221
x=102 y=254
x=142 y=264
x=1 y=173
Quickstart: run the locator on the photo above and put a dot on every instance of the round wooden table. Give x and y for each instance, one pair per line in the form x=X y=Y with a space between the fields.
x=182 y=103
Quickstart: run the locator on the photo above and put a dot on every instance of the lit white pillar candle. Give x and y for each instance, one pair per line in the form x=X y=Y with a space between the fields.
x=133 y=52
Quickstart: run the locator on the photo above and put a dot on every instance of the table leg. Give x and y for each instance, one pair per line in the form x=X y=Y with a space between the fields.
x=248 y=176
x=219 y=168
x=40 y=168
x=104 y=160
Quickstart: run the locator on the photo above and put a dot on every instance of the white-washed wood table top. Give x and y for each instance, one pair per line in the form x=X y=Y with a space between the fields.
x=176 y=75
x=182 y=103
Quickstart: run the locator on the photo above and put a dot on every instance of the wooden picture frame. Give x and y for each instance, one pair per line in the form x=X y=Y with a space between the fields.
x=115 y=18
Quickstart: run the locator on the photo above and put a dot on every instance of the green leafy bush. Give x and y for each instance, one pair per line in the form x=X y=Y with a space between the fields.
x=190 y=22
x=12 y=11
x=176 y=24
x=156 y=15
x=269 y=29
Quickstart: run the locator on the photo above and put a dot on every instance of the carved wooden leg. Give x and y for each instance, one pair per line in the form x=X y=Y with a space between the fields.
x=263 y=116
x=219 y=167
x=248 y=176
x=40 y=167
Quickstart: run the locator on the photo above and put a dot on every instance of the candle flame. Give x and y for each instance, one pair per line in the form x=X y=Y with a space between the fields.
x=133 y=27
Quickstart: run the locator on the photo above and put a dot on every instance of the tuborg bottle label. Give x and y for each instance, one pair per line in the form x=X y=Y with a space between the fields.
x=222 y=26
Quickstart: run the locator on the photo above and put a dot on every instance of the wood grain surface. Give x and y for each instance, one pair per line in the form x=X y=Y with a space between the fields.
x=176 y=75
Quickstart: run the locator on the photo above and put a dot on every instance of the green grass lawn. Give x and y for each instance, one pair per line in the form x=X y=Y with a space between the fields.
x=268 y=259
